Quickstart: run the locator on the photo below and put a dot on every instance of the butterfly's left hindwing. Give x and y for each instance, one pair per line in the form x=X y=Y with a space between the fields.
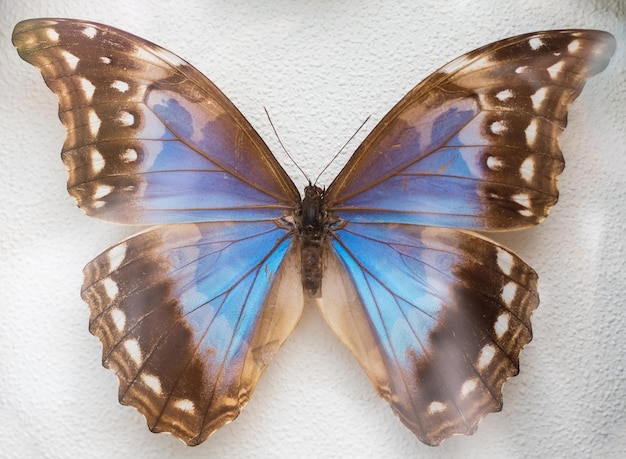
x=190 y=315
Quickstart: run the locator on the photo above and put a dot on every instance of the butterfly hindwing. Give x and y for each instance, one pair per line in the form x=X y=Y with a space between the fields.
x=190 y=315
x=436 y=317
x=475 y=145
x=149 y=138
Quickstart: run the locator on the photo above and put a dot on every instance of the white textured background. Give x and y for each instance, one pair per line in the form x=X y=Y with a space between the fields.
x=320 y=67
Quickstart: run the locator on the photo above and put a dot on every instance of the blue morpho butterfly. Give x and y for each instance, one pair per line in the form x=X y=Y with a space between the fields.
x=191 y=312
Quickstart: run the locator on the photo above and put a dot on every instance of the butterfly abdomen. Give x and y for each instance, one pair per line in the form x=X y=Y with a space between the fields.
x=311 y=224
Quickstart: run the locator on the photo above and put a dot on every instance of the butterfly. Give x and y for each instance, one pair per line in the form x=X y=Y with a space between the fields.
x=191 y=311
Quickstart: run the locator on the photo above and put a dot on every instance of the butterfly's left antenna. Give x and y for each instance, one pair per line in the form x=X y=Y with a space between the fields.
x=283 y=146
x=342 y=148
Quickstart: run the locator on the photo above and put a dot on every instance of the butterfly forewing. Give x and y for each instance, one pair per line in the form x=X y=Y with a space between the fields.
x=149 y=138
x=475 y=145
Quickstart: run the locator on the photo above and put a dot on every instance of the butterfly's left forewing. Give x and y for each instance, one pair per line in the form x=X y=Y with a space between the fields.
x=149 y=138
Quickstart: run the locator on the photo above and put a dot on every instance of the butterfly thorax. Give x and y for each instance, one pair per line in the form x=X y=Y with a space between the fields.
x=311 y=221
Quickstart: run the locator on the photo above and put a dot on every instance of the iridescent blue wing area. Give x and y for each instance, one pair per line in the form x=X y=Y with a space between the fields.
x=436 y=317
x=190 y=315
x=475 y=145
x=149 y=138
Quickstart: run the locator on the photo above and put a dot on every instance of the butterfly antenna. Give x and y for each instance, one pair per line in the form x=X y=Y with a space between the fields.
x=283 y=146
x=343 y=148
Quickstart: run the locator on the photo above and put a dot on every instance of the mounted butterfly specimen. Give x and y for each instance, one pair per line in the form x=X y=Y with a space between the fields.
x=191 y=312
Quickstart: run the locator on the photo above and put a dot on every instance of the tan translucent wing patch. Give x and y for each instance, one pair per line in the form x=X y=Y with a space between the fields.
x=141 y=294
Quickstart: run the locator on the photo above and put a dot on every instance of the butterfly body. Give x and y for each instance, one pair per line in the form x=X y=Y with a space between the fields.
x=312 y=223
x=191 y=312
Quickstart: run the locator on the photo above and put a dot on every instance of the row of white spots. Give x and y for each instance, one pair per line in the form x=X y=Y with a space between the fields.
x=130 y=155
x=153 y=382
x=485 y=357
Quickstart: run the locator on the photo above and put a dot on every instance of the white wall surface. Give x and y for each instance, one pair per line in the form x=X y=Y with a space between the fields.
x=320 y=67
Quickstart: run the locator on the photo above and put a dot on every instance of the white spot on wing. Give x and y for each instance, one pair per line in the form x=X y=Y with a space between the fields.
x=185 y=404
x=121 y=86
x=504 y=95
x=502 y=325
x=468 y=387
x=494 y=163
x=126 y=118
x=573 y=46
x=535 y=43
x=538 y=98
x=70 y=59
x=531 y=132
x=94 y=122
x=90 y=32
x=134 y=351
x=110 y=287
x=485 y=357
x=497 y=127
x=105 y=60
x=555 y=69
x=522 y=199
x=52 y=35
x=119 y=319
x=87 y=87
x=102 y=191
x=436 y=407
x=97 y=161
x=152 y=382
x=527 y=169
x=130 y=155
x=508 y=292
x=505 y=261
x=116 y=256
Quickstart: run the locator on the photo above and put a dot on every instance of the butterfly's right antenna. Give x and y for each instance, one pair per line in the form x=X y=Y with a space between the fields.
x=342 y=148
x=283 y=146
